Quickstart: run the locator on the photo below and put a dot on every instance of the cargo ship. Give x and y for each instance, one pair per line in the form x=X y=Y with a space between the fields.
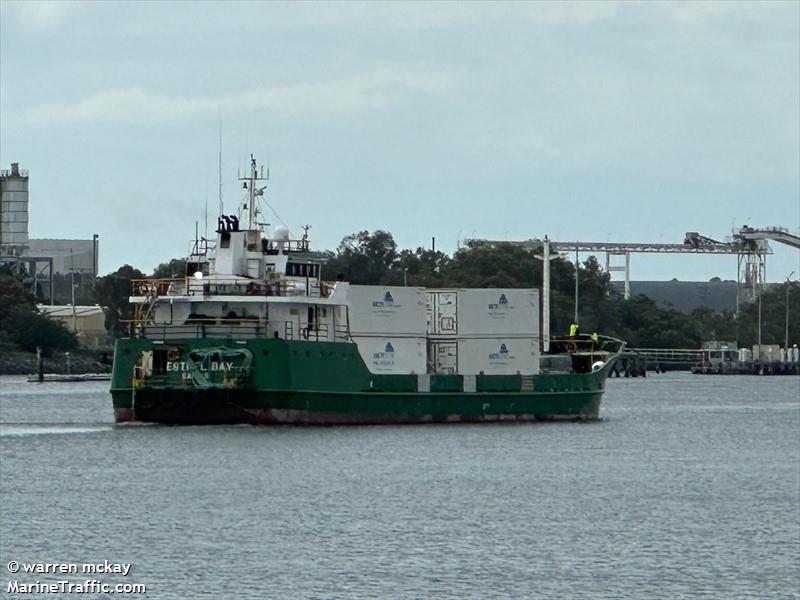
x=254 y=334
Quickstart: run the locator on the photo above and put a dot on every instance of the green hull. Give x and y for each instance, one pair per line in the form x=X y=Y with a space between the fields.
x=273 y=381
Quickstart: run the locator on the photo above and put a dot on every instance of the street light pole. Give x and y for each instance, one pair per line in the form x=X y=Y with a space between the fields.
x=72 y=286
x=576 y=283
x=759 y=323
x=95 y=237
x=545 y=258
x=786 y=336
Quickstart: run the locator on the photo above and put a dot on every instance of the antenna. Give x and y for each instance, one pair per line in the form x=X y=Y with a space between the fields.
x=219 y=114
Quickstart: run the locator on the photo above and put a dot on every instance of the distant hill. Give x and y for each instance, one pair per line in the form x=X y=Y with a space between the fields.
x=685 y=296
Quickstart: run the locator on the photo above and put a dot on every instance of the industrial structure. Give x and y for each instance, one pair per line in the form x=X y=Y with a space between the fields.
x=37 y=260
x=13 y=211
x=750 y=245
x=86 y=322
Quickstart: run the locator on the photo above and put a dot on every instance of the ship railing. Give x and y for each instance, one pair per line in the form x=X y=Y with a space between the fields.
x=273 y=247
x=229 y=286
x=153 y=287
x=201 y=246
x=586 y=343
x=240 y=328
x=238 y=286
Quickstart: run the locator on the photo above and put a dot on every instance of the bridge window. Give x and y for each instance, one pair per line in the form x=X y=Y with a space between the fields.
x=302 y=270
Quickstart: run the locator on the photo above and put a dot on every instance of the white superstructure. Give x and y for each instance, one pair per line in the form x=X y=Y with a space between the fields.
x=246 y=284
x=249 y=283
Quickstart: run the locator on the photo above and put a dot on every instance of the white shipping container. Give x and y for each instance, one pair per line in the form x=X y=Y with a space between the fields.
x=498 y=356
x=498 y=313
x=393 y=355
x=443 y=357
x=767 y=352
x=440 y=312
x=385 y=310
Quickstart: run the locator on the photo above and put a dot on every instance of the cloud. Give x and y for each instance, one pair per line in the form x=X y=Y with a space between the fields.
x=41 y=15
x=375 y=90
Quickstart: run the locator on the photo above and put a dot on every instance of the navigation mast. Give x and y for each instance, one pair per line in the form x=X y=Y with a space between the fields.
x=250 y=182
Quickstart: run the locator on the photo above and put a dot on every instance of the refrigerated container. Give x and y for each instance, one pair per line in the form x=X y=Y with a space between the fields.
x=766 y=353
x=498 y=356
x=386 y=310
x=498 y=312
x=393 y=354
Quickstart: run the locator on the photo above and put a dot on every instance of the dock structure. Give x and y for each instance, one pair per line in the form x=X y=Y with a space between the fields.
x=717 y=358
x=669 y=359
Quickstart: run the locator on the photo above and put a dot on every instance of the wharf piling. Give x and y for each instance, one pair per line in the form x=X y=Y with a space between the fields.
x=40 y=364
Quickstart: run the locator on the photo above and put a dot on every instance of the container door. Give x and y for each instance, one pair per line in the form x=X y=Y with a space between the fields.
x=443 y=357
x=440 y=313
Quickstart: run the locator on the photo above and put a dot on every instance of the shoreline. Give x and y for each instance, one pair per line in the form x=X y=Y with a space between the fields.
x=81 y=362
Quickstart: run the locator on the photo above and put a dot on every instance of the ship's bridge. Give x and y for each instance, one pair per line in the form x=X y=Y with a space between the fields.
x=240 y=308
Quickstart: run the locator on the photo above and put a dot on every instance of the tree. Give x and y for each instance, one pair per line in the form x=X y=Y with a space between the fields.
x=22 y=324
x=422 y=267
x=14 y=296
x=84 y=289
x=113 y=292
x=363 y=258
x=30 y=330
x=175 y=268
x=773 y=317
x=481 y=264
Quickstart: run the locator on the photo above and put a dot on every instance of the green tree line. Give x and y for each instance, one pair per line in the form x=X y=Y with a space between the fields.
x=375 y=259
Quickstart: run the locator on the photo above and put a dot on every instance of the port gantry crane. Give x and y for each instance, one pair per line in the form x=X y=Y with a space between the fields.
x=751 y=245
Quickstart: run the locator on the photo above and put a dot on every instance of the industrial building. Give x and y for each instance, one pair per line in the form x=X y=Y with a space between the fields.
x=87 y=322
x=79 y=256
x=39 y=259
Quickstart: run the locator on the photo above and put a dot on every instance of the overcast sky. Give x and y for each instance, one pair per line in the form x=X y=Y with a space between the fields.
x=600 y=121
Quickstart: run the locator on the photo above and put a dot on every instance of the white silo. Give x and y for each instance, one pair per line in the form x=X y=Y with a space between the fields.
x=13 y=211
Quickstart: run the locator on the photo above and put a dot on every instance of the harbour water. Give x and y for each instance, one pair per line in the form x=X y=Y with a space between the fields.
x=688 y=488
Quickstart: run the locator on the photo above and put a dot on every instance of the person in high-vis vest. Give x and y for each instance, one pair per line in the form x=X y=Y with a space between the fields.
x=573 y=330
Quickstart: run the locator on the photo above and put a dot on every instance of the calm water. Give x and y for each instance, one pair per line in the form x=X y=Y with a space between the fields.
x=689 y=488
